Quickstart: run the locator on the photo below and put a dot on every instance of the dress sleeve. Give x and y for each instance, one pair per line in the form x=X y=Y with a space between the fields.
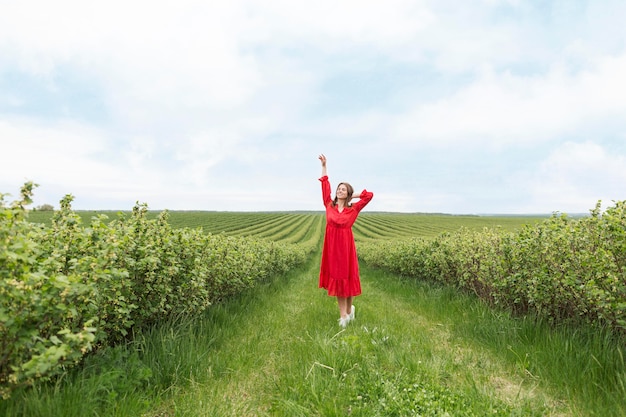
x=364 y=199
x=325 y=190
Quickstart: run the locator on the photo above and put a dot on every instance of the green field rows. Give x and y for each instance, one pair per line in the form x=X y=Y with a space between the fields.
x=371 y=226
x=295 y=227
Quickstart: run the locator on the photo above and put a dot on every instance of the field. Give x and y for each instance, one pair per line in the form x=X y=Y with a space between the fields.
x=289 y=226
x=273 y=348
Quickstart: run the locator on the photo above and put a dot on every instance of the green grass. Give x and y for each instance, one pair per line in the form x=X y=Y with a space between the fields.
x=291 y=358
x=415 y=349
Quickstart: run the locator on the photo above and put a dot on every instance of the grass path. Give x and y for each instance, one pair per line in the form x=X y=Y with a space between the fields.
x=279 y=351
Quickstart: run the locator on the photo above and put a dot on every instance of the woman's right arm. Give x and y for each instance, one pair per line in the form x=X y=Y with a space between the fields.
x=323 y=159
x=325 y=184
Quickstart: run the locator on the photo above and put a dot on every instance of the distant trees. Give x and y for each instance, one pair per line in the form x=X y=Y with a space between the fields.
x=45 y=207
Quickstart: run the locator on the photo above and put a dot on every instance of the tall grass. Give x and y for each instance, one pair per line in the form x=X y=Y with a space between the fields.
x=586 y=367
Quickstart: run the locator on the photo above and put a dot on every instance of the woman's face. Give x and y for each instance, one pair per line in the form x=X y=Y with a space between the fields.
x=342 y=191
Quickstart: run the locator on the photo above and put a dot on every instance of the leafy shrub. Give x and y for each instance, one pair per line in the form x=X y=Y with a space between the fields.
x=562 y=269
x=69 y=288
x=46 y=320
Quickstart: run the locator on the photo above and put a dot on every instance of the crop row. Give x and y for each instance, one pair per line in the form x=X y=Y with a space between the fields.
x=291 y=227
x=393 y=226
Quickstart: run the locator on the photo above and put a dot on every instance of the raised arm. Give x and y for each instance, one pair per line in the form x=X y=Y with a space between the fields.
x=323 y=159
x=325 y=184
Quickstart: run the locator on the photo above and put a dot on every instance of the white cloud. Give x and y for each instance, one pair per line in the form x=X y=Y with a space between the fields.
x=33 y=151
x=506 y=108
x=335 y=25
x=149 y=57
x=153 y=58
x=62 y=158
x=574 y=177
x=408 y=202
x=66 y=157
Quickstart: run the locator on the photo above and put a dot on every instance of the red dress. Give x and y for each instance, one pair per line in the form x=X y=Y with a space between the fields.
x=339 y=271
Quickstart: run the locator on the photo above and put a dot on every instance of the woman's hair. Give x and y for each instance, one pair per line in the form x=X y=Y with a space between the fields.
x=350 y=192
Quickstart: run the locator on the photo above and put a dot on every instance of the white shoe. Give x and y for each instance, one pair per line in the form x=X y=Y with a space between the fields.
x=343 y=322
x=352 y=311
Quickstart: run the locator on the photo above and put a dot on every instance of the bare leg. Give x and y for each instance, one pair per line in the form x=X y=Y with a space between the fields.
x=343 y=306
x=349 y=305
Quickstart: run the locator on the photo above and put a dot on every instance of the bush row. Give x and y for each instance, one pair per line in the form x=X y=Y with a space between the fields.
x=562 y=269
x=69 y=288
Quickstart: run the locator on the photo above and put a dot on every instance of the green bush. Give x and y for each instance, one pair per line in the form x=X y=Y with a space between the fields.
x=562 y=269
x=46 y=318
x=69 y=288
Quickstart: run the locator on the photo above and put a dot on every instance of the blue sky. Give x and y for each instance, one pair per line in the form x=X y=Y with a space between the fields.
x=488 y=106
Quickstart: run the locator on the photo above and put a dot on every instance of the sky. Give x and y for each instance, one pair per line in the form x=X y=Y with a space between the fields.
x=437 y=106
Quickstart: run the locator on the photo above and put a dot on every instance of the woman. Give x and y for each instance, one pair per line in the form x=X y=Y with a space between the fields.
x=339 y=271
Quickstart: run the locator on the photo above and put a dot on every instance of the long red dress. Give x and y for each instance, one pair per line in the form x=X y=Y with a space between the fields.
x=339 y=271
